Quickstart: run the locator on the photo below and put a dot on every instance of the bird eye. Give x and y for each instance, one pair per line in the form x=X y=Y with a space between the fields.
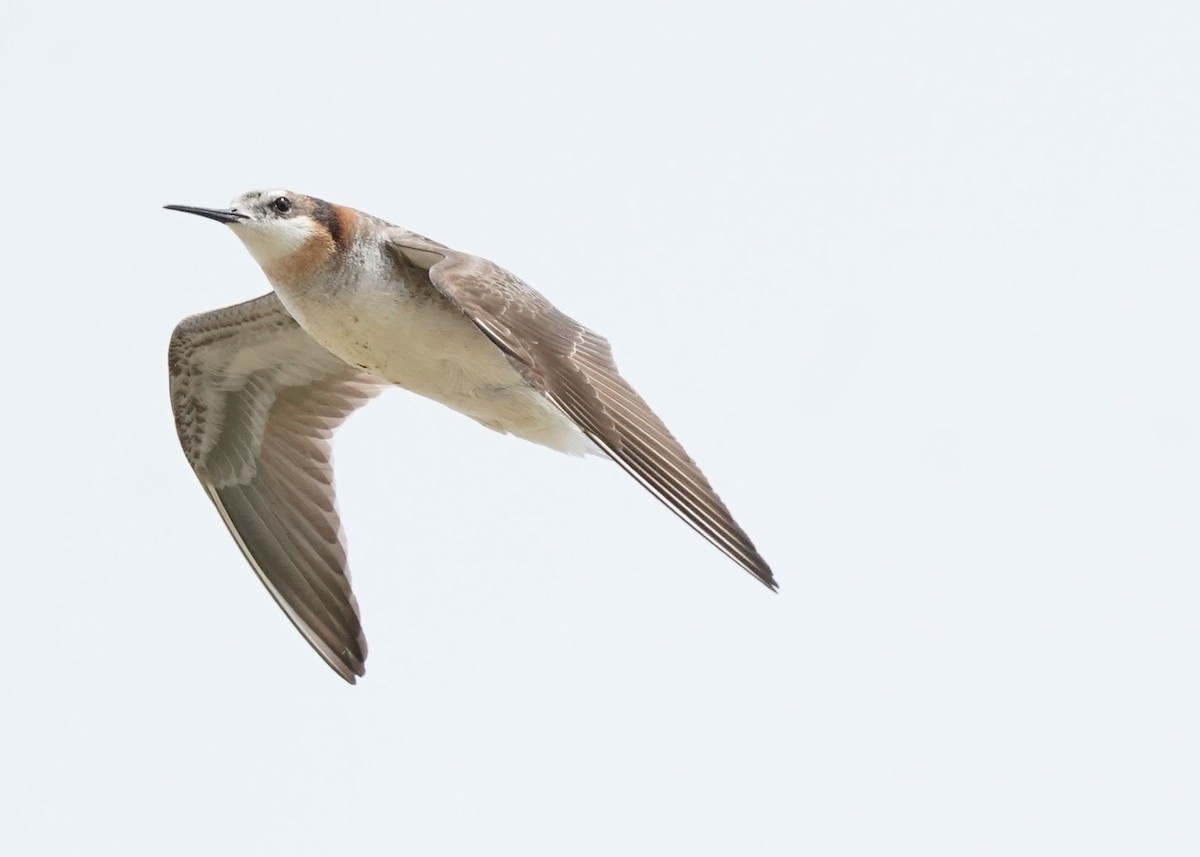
x=282 y=205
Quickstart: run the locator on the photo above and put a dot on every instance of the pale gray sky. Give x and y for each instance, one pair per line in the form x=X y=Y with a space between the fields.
x=915 y=284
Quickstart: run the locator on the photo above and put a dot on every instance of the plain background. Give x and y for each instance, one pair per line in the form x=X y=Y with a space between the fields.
x=915 y=284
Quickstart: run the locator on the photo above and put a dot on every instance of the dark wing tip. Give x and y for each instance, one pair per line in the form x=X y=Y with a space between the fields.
x=752 y=561
x=351 y=666
x=351 y=676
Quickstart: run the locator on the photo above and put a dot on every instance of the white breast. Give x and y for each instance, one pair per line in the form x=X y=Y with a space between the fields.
x=424 y=344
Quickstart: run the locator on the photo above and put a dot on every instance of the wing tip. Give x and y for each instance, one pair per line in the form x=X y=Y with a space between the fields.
x=349 y=670
x=762 y=573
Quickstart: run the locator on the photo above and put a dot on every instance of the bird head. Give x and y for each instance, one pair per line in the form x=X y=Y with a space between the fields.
x=288 y=234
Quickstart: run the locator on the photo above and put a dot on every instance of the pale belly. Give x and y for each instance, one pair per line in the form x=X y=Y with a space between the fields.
x=432 y=349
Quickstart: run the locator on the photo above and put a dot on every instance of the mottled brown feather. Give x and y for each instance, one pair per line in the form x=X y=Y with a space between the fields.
x=256 y=401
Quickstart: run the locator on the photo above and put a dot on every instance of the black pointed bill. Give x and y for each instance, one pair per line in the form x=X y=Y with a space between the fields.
x=221 y=215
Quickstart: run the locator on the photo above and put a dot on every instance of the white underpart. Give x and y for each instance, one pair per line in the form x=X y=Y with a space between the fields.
x=429 y=347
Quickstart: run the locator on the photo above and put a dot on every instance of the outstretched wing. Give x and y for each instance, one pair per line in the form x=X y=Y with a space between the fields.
x=256 y=400
x=574 y=368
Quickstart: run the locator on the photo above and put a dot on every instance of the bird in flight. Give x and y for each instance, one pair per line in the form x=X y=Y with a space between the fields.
x=358 y=304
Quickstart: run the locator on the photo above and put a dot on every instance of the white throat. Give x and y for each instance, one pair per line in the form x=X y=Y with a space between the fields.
x=268 y=243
